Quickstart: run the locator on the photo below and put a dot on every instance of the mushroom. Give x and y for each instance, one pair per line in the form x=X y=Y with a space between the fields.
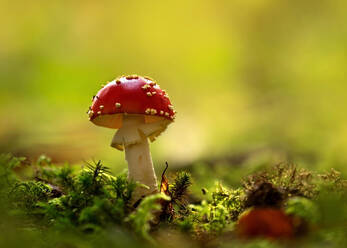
x=265 y=222
x=140 y=110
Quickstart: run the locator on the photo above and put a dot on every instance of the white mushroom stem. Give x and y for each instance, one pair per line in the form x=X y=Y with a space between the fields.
x=132 y=137
x=140 y=167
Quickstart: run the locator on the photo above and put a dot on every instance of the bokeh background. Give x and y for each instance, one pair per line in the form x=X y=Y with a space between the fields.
x=254 y=82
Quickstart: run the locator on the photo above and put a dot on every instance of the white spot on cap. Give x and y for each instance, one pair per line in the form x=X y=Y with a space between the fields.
x=132 y=77
x=146 y=86
x=161 y=112
x=147 y=111
x=149 y=94
x=118 y=105
x=153 y=111
x=99 y=112
x=101 y=107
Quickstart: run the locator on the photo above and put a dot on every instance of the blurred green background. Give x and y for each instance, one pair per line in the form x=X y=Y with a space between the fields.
x=252 y=80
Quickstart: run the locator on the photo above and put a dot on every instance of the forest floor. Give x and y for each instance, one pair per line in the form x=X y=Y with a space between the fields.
x=44 y=205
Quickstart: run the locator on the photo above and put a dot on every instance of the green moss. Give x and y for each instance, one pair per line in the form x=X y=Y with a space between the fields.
x=145 y=213
x=287 y=178
x=91 y=203
x=179 y=189
x=303 y=208
x=28 y=194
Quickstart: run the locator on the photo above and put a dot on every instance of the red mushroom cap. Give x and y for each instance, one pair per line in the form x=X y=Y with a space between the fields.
x=265 y=222
x=130 y=95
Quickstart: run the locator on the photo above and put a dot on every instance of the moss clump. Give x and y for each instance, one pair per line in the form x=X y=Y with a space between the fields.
x=26 y=195
x=92 y=207
x=145 y=213
x=212 y=217
x=178 y=193
x=284 y=179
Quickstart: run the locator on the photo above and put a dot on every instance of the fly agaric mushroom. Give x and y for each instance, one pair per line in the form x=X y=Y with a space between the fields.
x=140 y=110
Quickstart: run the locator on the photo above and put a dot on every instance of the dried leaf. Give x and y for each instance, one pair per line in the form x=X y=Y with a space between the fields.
x=164 y=185
x=167 y=208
